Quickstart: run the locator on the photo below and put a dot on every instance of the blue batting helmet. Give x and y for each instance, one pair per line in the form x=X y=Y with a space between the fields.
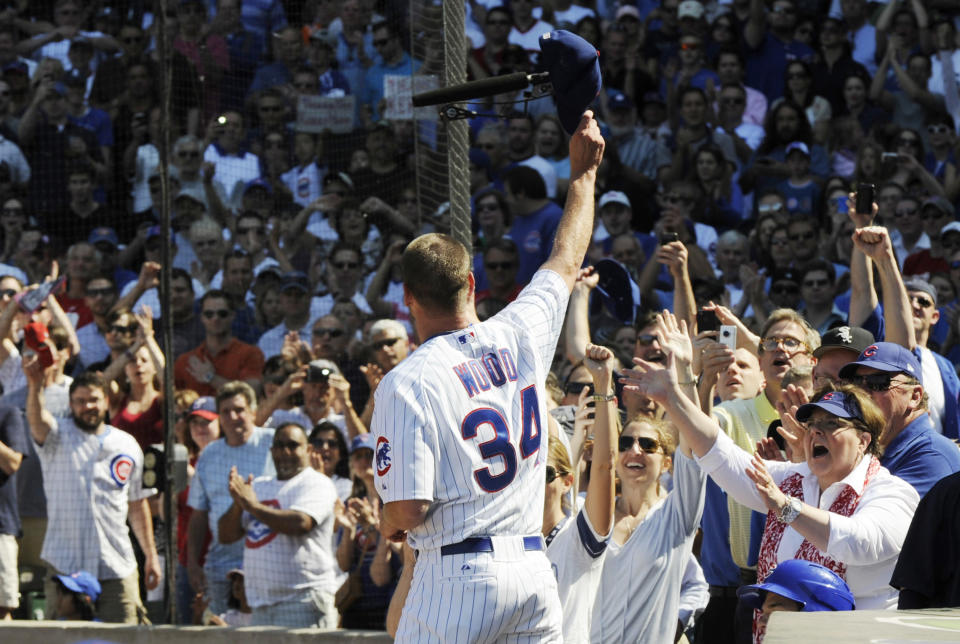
x=811 y=585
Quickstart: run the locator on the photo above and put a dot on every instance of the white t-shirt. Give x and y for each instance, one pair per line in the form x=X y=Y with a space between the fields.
x=280 y=567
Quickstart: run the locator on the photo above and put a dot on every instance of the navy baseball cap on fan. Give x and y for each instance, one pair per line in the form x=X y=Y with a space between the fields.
x=922 y=285
x=295 y=280
x=574 y=67
x=103 y=234
x=81 y=582
x=362 y=441
x=204 y=407
x=836 y=403
x=884 y=356
x=619 y=101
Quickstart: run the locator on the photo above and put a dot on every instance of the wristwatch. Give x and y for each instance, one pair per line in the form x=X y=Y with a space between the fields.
x=791 y=510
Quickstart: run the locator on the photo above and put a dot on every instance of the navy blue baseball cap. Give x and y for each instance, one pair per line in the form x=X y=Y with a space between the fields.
x=362 y=441
x=574 y=67
x=836 y=403
x=616 y=291
x=885 y=356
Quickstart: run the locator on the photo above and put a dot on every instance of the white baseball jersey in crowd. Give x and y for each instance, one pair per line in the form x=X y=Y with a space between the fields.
x=461 y=423
x=576 y=554
x=279 y=567
x=89 y=480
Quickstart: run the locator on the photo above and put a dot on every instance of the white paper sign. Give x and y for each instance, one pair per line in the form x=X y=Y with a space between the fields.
x=398 y=91
x=318 y=113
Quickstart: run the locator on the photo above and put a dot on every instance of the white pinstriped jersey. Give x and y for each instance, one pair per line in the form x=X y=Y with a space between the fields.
x=460 y=422
x=90 y=480
x=576 y=555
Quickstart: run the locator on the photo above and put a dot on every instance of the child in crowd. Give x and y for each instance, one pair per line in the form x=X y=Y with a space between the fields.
x=800 y=190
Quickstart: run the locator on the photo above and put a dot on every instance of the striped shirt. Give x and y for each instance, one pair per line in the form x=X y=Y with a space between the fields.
x=460 y=422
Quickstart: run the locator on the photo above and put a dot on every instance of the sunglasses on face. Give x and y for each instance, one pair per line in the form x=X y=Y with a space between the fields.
x=875 y=382
x=770 y=207
x=552 y=474
x=796 y=76
x=131 y=328
x=577 y=387
x=937 y=129
x=333 y=333
x=648 y=445
x=922 y=302
x=789 y=344
x=290 y=445
x=192 y=154
x=829 y=426
x=218 y=313
x=321 y=443
x=732 y=100
x=346 y=265
x=383 y=344
x=816 y=283
x=802 y=236
x=646 y=339
x=784 y=289
x=100 y=292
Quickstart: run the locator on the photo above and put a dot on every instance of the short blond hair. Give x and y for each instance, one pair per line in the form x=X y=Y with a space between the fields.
x=810 y=336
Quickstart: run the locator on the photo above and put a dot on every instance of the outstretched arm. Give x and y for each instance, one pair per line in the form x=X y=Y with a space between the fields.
x=874 y=242
x=576 y=225
x=600 y=495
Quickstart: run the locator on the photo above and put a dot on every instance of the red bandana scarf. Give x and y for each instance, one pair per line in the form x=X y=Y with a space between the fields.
x=844 y=505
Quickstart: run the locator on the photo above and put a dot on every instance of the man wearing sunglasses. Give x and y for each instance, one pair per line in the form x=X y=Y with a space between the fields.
x=912 y=449
x=731 y=532
x=295 y=302
x=908 y=316
x=221 y=357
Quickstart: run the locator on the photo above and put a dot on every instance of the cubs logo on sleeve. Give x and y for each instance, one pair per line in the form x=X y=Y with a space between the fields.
x=120 y=468
x=383 y=456
x=259 y=534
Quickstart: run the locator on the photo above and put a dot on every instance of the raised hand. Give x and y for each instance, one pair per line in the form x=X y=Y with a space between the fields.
x=652 y=380
x=874 y=242
x=768 y=449
x=793 y=433
x=583 y=419
x=674 y=338
x=772 y=496
x=600 y=362
x=586 y=146
x=674 y=255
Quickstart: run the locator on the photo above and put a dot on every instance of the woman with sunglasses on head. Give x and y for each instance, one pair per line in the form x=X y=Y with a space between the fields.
x=838 y=506
x=653 y=530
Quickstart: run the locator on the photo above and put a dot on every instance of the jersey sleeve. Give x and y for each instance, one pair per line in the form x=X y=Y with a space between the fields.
x=539 y=310
x=406 y=442
x=593 y=542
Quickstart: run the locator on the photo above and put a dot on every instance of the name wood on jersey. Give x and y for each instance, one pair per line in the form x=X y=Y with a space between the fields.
x=494 y=369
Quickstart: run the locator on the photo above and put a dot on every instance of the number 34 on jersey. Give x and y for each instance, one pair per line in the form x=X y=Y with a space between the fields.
x=497 y=371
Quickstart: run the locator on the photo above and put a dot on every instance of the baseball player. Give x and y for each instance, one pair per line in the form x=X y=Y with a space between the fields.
x=460 y=430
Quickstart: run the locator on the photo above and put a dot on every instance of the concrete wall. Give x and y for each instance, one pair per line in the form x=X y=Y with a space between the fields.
x=30 y=632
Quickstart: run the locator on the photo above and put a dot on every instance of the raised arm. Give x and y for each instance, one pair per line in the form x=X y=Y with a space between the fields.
x=863 y=294
x=874 y=242
x=577 y=324
x=40 y=420
x=576 y=225
x=600 y=495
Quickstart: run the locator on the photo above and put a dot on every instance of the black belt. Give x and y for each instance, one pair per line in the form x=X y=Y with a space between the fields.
x=485 y=544
x=723 y=592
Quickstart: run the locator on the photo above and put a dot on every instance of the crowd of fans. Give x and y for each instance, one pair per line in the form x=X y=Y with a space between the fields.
x=736 y=132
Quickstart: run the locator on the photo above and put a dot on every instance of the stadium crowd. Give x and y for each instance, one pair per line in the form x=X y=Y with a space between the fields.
x=738 y=135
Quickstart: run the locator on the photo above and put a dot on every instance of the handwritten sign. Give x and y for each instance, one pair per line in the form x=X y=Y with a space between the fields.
x=398 y=92
x=318 y=113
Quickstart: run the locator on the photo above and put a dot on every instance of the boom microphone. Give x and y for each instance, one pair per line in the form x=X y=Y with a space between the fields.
x=479 y=89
